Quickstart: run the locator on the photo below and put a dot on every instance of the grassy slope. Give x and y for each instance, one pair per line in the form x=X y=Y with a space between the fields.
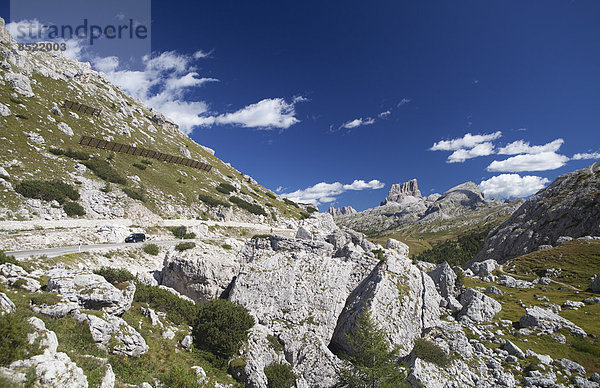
x=159 y=179
x=578 y=260
x=421 y=237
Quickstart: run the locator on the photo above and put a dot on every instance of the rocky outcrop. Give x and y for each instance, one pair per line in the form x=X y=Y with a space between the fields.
x=595 y=284
x=567 y=207
x=477 y=306
x=395 y=291
x=343 y=211
x=90 y=291
x=51 y=368
x=202 y=273
x=125 y=339
x=398 y=192
x=445 y=279
x=15 y=276
x=546 y=320
x=6 y=305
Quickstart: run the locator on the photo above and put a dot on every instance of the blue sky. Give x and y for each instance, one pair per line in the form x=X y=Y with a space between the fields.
x=299 y=94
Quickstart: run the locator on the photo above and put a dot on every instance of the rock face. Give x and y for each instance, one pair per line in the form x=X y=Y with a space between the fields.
x=400 y=191
x=477 y=306
x=20 y=83
x=202 y=273
x=595 y=284
x=567 y=207
x=91 y=291
x=445 y=279
x=396 y=291
x=346 y=210
x=128 y=341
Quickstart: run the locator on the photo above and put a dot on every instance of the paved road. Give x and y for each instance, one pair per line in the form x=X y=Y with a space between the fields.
x=53 y=252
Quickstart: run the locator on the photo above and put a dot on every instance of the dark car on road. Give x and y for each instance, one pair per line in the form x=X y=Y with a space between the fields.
x=135 y=237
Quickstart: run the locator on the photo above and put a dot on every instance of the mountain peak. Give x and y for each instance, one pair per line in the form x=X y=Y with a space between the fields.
x=399 y=191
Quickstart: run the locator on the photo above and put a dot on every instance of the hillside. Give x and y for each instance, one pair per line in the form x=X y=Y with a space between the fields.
x=568 y=208
x=35 y=127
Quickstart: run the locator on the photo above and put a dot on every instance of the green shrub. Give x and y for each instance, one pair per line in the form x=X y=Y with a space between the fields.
x=16 y=101
x=178 y=310
x=270 y=195
x=76 y=155
x=180 y=181
x=20 y=116
x=56 y=151
x=114 y=275
x=8 y=259
x=250 y=207
x=47 y=190
x=430 y=352
x=179 y=375
x=221 y=327
x=379 y=254
x=104 y=171
x=181 y=232
x=225 y=188
x=210 y=201
x=139 y=166
x=280 y=375
x=13 y=335
x=106 y=188
x=236 y=366
x=274 y=342
x=147 y=162
x=226 y=247
x=73 y=209
x=257 y=236
x=151 y=249
x=311 y=209
x=135 y=194
x=185 y=246
x=290 y=202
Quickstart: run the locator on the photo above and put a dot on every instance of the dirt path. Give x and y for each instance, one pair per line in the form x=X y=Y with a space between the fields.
x=501 y=270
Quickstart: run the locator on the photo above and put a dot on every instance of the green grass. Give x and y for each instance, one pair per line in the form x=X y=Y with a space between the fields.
x=47 y=190
x=177 y=309
x=430 y=352
x=151 y=249
x=137 y=194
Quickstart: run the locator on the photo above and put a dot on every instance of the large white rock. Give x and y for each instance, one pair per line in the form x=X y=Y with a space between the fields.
x=20 y=83
x=91 y=291
x=395 y=291
x=129 y=341
x=201 y=273
x=6 y=305
x=4 y=110
x=445 y=279
x=477 y=306
x=544 y=319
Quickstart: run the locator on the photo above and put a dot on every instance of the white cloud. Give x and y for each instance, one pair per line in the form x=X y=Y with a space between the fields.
x=512 y=186
x=385 y=114
x=27 y=30
x=202 y=54
x=529 y=162
x=594 y=155
x=268 y=113
x=483 y=149
x=279 y=189
x=358 y=122
x=404 y=101
x=468 y=141
x=327 y=192
x=523 y=147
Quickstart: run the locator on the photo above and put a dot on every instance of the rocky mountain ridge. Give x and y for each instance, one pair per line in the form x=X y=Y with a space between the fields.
x=568 y=208
x=404 y=206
